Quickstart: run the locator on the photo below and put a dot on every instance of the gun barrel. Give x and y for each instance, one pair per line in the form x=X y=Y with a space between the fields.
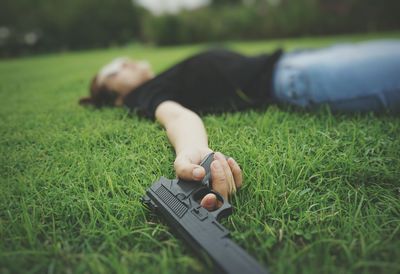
x=232 y=259
x=227 y=255
x=201 y=230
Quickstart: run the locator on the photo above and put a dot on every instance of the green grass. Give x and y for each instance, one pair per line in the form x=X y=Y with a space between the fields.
x=321 y=191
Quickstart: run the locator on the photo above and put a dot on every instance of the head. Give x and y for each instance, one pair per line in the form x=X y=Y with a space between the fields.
x=115 y=80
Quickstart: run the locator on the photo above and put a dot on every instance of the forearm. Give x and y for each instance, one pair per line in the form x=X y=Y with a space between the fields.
x=185 y=129
x=187 y=134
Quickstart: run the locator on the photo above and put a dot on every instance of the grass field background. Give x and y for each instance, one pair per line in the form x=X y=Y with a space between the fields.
x=321 y=191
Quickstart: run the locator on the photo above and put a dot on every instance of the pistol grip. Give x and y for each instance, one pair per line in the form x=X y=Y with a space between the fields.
x=206 y=164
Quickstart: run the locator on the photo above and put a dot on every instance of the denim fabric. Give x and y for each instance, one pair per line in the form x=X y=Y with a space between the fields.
x=349 y=77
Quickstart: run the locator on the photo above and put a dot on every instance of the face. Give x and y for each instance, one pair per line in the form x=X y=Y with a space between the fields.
x=123 y=75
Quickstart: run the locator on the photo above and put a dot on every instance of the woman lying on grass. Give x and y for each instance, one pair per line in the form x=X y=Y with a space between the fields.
x=349 y=78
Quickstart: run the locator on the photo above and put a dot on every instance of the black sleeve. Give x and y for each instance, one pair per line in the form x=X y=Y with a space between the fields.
x=196 y=82
x=211 y=81
x=165 y=86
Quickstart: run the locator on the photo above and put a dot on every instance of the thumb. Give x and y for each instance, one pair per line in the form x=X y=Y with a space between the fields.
x=186 y=170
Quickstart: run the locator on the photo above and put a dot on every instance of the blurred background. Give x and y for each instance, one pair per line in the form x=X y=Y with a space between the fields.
x=36 y=26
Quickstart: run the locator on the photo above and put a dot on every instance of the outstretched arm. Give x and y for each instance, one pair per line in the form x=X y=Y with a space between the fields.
x=186 y=132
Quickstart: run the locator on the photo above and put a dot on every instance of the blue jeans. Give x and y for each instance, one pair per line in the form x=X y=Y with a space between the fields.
x=349 y=78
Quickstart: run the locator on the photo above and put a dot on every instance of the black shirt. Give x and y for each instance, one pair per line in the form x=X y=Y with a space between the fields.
x=211 y=81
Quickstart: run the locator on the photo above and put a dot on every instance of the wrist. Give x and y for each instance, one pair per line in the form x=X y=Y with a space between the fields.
x=203 y=151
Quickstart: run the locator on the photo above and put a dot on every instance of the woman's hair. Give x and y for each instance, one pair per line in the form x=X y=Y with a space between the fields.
x=100 y=95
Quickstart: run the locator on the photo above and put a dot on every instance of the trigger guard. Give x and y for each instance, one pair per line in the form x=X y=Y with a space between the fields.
x=224 y=211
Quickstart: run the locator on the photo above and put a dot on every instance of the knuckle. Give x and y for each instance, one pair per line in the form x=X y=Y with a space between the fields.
x=180 y=170
x=237 y=169
x=177 y=166
x=221 y=178
x=177 y=160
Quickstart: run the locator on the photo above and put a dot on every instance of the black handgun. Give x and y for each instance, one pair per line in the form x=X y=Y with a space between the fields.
x=178 y=202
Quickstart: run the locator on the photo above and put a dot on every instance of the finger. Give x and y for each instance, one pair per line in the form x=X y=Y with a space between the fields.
x=219 y=180
x=228 y=173
x=187 y=171
x=209 y=202
x=236 y=172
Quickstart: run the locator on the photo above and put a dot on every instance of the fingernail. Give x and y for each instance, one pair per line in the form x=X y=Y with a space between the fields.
x=217 y=165
x=197 y=172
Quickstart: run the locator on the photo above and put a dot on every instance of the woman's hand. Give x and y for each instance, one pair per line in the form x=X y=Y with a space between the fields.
x=226 y=175
x=186 y=132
